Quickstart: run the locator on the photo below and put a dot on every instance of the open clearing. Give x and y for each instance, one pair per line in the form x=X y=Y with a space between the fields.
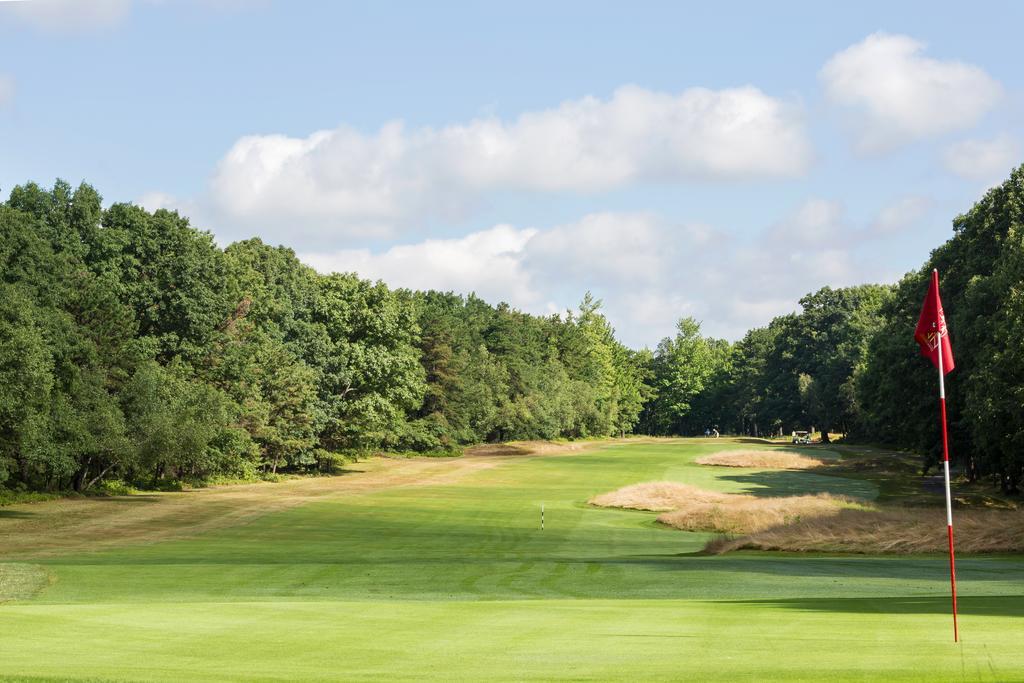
x=437 y=569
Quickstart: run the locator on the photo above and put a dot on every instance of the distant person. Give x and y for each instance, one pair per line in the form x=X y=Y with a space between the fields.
x=707 y=433
x=715 y=432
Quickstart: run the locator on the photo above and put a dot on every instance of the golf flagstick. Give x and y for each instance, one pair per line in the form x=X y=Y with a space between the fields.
x=933 y=336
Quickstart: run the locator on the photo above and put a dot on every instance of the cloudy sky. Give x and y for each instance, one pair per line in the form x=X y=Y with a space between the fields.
x=674 y=158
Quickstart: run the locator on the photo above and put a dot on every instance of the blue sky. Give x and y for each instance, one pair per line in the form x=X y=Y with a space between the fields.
x=715 y=160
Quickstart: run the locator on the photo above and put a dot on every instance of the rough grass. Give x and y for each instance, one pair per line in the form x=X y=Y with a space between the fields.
x=76 y=524
x=8 y=497
x=763 y=459
x=818 y=523
x=517 y=448
x=64 y=525
x=537 y=447
x=19 y=581
x=887 y=530
x=693 y=509
x=749 y=514
x=658 y=496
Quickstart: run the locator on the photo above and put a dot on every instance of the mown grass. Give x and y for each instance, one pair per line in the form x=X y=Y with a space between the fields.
x=455 y=581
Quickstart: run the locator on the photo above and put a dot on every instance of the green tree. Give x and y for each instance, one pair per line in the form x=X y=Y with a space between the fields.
x=981 y=277
x=171 y=275
x=371 y=376
x=682 y=368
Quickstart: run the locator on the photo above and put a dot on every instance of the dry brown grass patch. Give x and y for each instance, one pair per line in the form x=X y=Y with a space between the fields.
x=536 y=447
x=693 y=509
x=888 y=530
x=67 y=525
x=20 y=581
x=748 y=514
x=764 y=459
x=84 y=524
x=657 y=496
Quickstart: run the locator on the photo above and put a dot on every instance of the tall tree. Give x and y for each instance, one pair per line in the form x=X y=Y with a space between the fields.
x=682 y=367
x=371 y=375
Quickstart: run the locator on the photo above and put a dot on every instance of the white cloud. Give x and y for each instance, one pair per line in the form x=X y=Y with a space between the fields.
x=895 y=94
x=983 y=160
x=615 y=247
x=195 y=212
x=6 y=90
x=151 y=201
x=82 y=16
x=71 y=15
x=821 y=224
x=900 y=215
x=816 y=222
x=348 y=183
x=487 y=262
x=648 y=271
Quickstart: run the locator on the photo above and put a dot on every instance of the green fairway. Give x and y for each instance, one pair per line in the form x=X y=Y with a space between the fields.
x=457 y=581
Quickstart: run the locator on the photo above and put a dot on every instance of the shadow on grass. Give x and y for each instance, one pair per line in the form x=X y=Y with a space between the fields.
x=15 y=514
x=988 y=605
x=498 y=449
x=134 y=499
x=345 y=470
x=787 y=443
x=971 y=568
x=774 y=483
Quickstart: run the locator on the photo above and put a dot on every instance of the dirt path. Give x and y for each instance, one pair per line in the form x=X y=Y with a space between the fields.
x=38 y=530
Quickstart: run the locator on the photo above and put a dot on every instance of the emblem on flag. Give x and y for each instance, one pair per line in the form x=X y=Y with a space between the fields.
x=931 y=332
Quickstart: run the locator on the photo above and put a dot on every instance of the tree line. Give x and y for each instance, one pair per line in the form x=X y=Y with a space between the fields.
x=798 y=372
x=134 y=349
x=847 y=361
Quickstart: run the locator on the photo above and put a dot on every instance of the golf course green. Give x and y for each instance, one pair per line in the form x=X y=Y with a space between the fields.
x=455 y=580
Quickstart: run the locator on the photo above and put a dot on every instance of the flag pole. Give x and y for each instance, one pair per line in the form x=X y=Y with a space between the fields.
x=945 y=468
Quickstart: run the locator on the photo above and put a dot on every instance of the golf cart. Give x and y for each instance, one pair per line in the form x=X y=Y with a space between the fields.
x=801 y=437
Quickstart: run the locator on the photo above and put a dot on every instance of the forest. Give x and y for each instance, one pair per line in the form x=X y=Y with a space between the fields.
x=134 y=351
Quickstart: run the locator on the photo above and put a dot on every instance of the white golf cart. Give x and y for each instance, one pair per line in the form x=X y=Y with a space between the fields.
x=801 y=437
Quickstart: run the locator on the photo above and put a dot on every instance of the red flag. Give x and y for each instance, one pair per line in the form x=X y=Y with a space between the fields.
x=931 y=331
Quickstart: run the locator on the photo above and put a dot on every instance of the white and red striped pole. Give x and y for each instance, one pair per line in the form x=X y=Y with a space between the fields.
x=949 y=497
